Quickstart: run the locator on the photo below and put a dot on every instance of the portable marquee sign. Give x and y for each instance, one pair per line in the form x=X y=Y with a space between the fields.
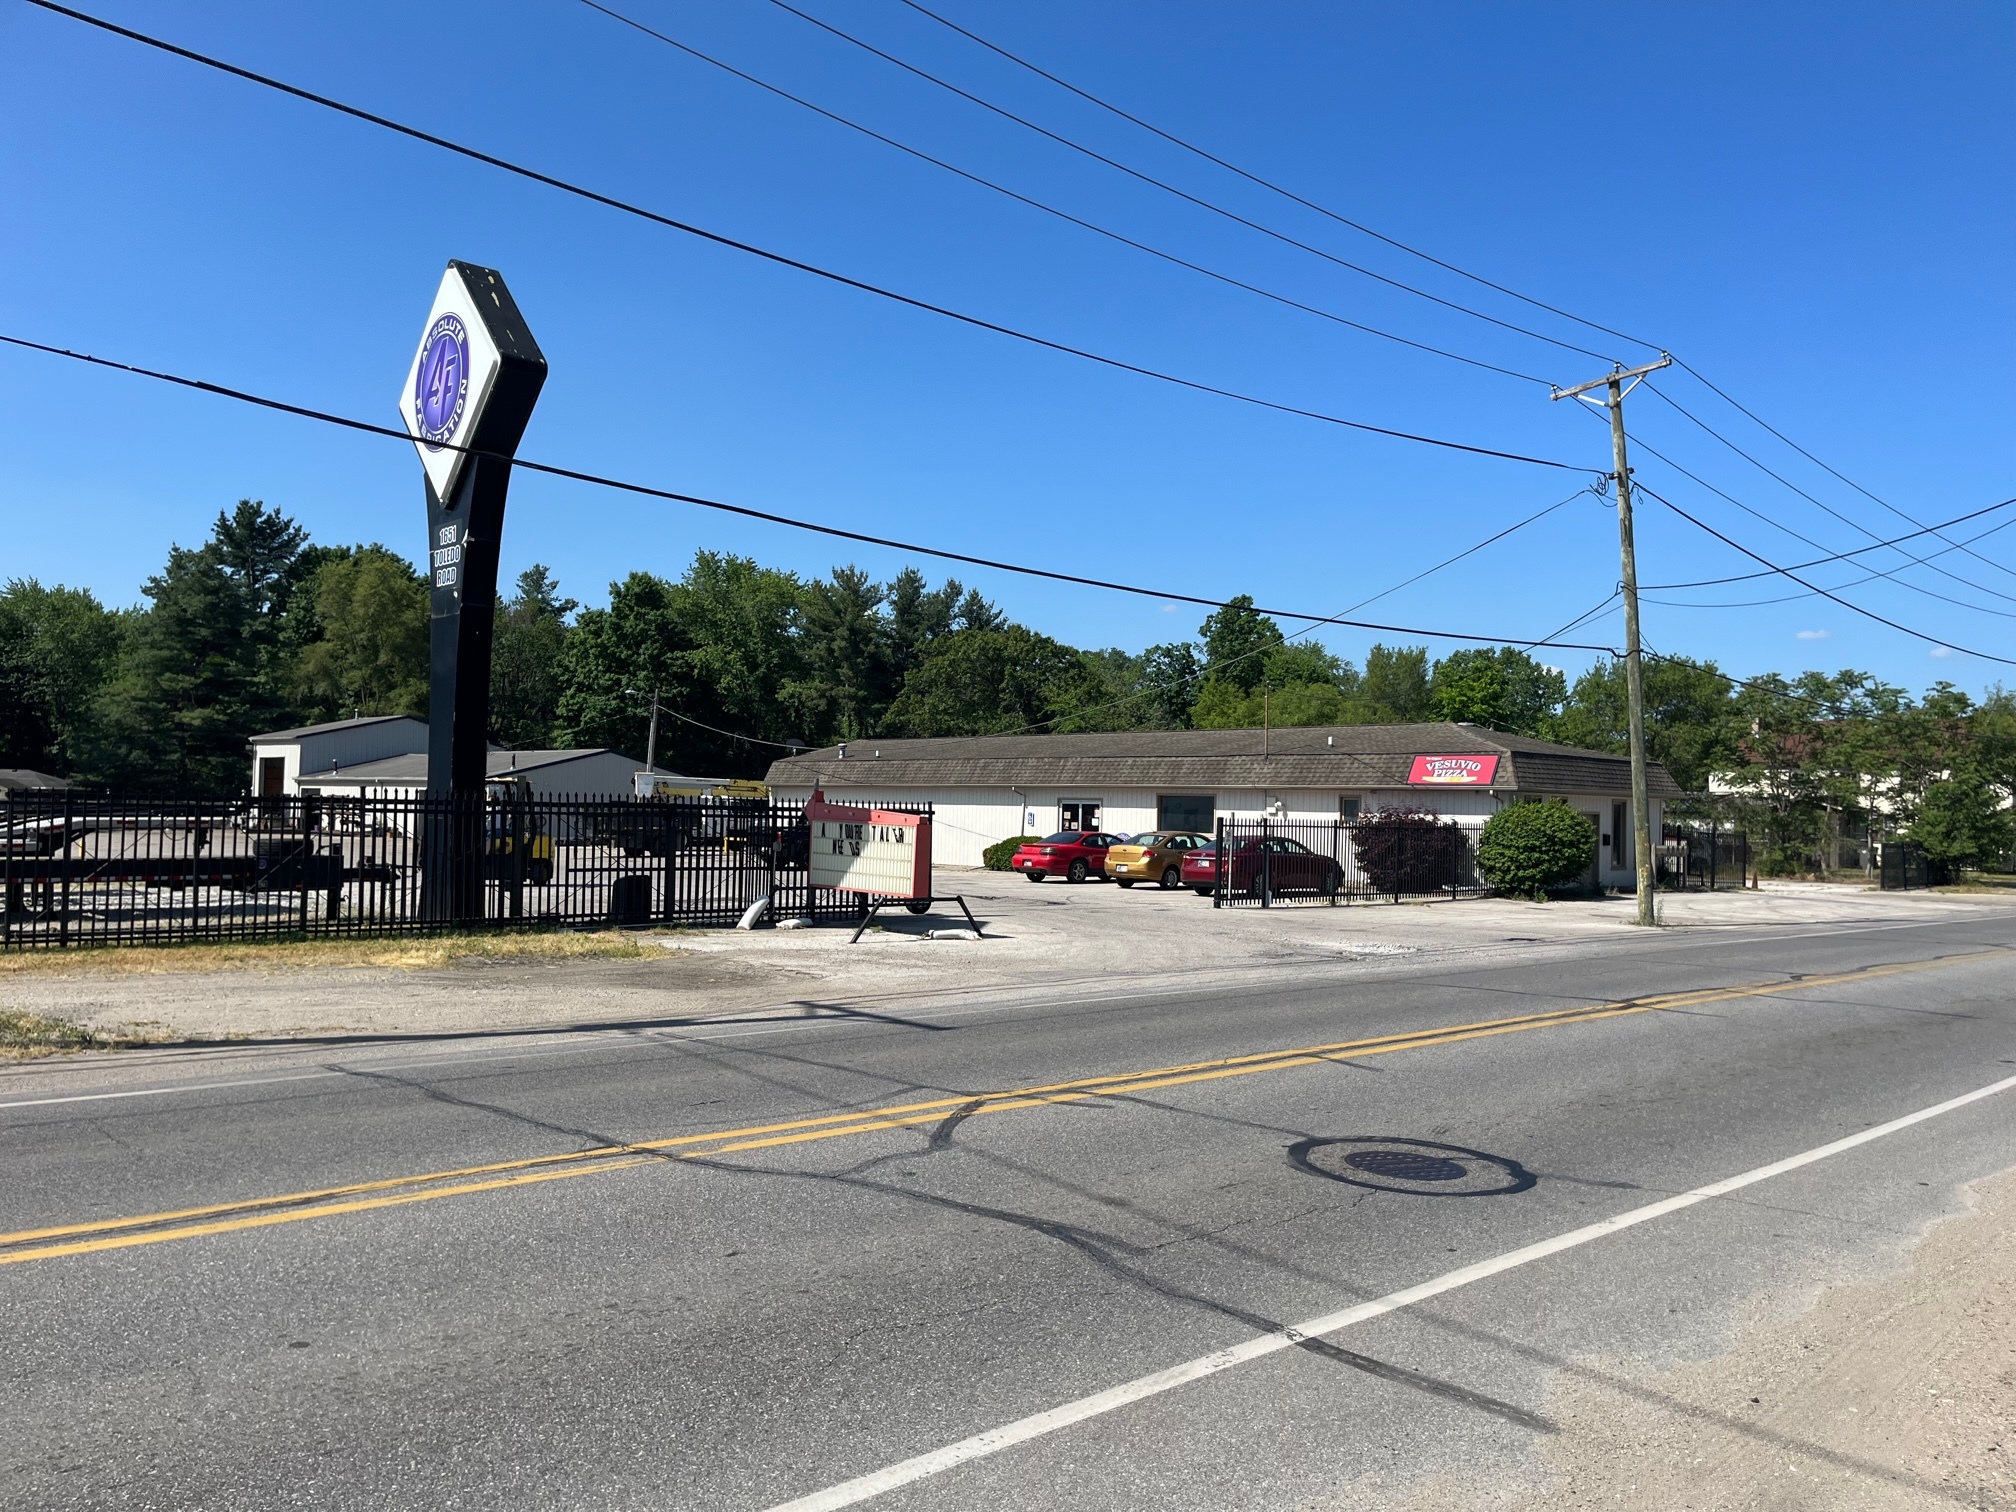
x=883 y=853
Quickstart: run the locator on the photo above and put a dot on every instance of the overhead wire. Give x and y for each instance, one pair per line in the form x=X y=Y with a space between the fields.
x=611 y=202
x=1269 y=184
x=579 y=475
x=1850 y=522
x=1052 y=210
x=1169 y=188
x=1847 y=604
x=1413 y=251
x=1759 y=420
x=1842 y=556
x=1639 y=444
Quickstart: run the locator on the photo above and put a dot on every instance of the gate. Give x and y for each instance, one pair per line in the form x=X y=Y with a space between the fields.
x=1705 y=859
x=1268 y=863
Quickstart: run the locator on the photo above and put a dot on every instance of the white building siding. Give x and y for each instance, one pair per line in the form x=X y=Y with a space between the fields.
x=968 y=820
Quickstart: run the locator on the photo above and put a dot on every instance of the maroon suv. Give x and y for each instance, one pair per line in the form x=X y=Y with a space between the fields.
x=1073 y=855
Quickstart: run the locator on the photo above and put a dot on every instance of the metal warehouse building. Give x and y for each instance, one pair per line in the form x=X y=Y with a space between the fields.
x=987 y=788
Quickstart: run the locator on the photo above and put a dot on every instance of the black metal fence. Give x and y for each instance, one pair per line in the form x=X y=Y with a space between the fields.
x=1703 y=858
x=78 y=870
x=1265 y=863
x=1905 y=865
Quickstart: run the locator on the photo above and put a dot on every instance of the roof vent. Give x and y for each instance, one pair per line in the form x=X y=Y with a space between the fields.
x=843 y=750
x=1329 y=740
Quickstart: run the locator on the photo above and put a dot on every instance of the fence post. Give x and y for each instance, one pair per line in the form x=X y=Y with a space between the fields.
x=1218 y=850
x=1266 y=864
x=63 y=919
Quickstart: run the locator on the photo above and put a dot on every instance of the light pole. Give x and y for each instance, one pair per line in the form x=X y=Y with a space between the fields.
x=650 y=740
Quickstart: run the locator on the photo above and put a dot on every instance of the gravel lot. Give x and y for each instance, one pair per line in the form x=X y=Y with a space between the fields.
x=1038 y=938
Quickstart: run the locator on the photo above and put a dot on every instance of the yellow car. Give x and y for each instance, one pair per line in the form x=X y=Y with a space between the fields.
x=1154 y=857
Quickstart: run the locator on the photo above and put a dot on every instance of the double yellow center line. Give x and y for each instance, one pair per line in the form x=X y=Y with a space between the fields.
x=366 y=1196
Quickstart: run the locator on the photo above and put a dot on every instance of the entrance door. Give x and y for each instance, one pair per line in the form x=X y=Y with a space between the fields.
x=272 y=776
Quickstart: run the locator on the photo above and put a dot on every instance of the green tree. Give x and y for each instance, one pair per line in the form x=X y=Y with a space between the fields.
x=1394 y=686
x=1166 y=682
x=57 y=648
x=372 y=655
x=977 y=682
x=1964 y=821
x=1236 y=638
x=721 y=647
x=846 y=650
x=1500 y=687
x=525 y=660
x=1690 y=722
x=189 y=690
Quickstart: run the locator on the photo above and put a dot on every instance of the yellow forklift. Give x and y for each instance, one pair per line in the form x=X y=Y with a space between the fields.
x=516 y=846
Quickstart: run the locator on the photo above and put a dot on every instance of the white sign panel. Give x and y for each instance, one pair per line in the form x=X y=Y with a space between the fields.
x=449 y=383
x=869 y=850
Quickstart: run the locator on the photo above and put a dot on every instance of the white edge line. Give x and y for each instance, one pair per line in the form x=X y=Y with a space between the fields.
x=861 y=1488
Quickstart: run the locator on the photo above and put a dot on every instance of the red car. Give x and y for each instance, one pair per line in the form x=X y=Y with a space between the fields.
x=1279 y=864
x=1073 y=855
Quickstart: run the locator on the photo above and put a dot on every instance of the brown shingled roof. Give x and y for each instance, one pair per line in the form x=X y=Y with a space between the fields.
x=1320 y=756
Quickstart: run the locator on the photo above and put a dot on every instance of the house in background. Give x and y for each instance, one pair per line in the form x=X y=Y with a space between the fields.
x=280 y=757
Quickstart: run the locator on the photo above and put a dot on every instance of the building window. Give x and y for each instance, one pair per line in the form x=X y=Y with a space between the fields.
x=1348 y=809
x=1184 y=811
x=1078 y=814
x=1620 y=835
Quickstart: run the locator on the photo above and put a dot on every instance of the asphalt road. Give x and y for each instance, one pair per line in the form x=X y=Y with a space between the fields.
x=736 y=1265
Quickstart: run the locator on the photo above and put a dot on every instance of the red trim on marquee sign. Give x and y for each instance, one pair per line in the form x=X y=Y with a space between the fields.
x=817 y=808
x=1452 y=771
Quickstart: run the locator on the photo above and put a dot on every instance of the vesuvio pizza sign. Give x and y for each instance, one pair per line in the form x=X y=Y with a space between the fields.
x=1452 y=771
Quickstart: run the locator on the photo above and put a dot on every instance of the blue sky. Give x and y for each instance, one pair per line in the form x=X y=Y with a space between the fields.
x=1809 y=203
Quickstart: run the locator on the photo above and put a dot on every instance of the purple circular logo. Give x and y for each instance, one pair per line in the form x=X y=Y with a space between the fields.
x=441 y=383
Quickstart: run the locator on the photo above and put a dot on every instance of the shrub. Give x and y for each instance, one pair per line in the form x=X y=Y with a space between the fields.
x=1531 y=847
x=1407 y=850
x=998 y=855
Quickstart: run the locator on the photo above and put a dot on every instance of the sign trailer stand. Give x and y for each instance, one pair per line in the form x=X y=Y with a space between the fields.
x=871 y=906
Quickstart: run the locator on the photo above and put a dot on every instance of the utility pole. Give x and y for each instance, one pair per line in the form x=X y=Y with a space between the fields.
x=1634 y=673
x=651 y=740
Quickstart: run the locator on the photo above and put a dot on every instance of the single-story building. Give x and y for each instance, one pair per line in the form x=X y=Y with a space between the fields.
x=591 y=772
x=986 y=788
x=279 y=757
x=26 y=780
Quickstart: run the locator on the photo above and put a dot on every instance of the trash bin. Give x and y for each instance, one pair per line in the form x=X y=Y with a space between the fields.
x=630 y=901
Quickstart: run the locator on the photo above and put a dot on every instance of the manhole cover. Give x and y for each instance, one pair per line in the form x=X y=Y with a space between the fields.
x=1387 y=1163
x=1405 y=1165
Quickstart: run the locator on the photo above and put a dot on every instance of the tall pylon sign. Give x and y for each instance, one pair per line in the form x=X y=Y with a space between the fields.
x=468 y=397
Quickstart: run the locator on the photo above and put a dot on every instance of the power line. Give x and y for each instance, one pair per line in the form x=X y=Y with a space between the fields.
x=1809 y=541
x=1048 y=209
x=1761 y=421
x=1852 y=524
x=627 y=208
x=1822 y=592
x=647 y=491
x=1842 y=556
x=1288 y=194
x=1412 y=251
x=1168 y=188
